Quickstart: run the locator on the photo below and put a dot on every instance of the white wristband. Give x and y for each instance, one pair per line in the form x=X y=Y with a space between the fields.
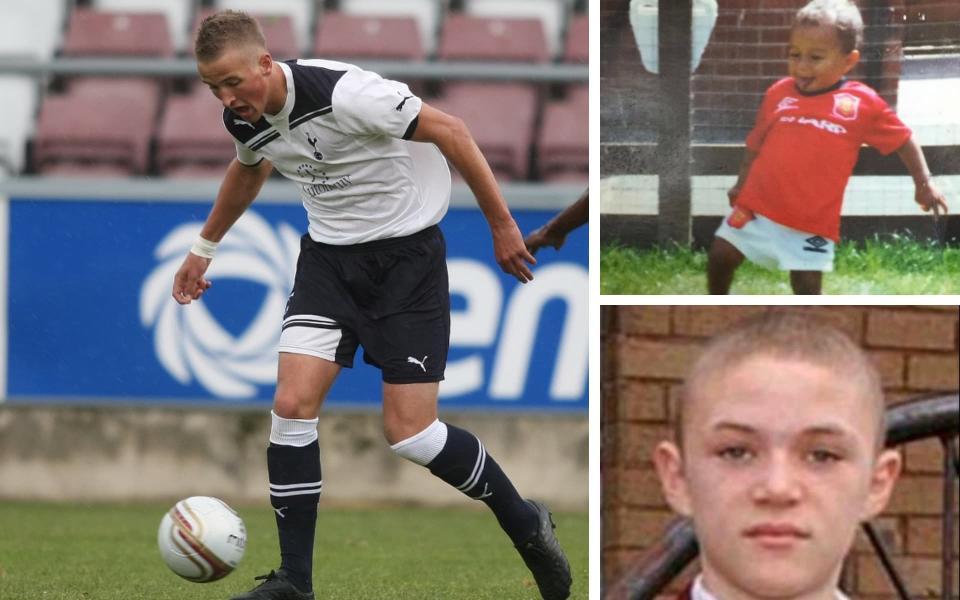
x=204 y=248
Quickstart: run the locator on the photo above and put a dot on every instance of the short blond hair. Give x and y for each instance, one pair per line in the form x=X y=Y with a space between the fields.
x=784 y=334
x=228 y=28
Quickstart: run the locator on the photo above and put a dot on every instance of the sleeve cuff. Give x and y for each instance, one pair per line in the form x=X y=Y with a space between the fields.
x=412 y=128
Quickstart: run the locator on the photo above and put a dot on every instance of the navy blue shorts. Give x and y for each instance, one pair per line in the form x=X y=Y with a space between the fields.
x=390 y=296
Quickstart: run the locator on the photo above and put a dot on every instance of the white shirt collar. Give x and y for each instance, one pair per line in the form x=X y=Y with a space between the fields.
x=700 y=592
x=288 y=105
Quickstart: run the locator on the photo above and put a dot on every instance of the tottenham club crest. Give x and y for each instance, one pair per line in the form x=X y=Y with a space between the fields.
x=845 y=106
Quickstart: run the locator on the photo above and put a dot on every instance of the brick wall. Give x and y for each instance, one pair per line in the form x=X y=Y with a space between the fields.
x=746 y=53
x=645 y=354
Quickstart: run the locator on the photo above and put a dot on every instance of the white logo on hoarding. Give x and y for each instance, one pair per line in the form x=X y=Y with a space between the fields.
x=477 y=325
x=189 y=341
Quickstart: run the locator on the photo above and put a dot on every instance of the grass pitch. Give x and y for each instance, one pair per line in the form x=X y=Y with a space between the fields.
x=895 y=265
x=109 y=552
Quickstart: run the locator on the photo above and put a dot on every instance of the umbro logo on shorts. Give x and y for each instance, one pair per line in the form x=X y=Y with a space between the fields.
x=816 y=244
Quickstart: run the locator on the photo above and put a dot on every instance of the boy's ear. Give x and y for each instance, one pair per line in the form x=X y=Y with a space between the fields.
x=852 y=59
x=886 y=469
x=668 y=461
x=265 y=63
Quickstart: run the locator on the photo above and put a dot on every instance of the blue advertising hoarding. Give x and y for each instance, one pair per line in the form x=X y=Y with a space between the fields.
x=90 y=315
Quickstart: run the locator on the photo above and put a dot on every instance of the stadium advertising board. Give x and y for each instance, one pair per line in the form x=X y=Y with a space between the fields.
x=90 y=317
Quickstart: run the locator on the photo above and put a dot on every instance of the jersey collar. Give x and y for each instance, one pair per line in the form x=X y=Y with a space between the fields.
x=832 y=88
x=700 y=592
x=291 y=99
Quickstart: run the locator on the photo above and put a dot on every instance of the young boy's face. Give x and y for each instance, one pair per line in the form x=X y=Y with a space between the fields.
x=815 y=59
x=778 y=469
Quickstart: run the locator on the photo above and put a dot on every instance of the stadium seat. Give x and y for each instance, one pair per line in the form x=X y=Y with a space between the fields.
x=301 y=13
x=577 y=46
x=277 y=28
x=19 y=93
x=177 y=12
x=552 y=14
x=564 y=141
x=428 y=14
x=102 y=33
x=466 y=37
x=109 y=123
x=501 y=118
x=32 y=28
x=340 y=35
x=191 y=138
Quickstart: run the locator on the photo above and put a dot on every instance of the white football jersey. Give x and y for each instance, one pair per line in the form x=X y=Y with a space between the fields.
x=342 y=137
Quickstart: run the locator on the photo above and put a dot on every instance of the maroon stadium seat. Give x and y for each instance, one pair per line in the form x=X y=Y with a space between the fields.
x=280 y=34
x=106 y=124
x=341 y=35
x=102 y=33
x=501 y=116
x=577 y=46
x=564 y=141
x=501 y=119
x=491 y=39
x=191 y=138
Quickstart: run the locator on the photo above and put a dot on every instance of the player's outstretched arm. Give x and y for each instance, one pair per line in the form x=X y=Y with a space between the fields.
x=240 y=186
x=451 y=135
x=554 y=233
x=926 y=195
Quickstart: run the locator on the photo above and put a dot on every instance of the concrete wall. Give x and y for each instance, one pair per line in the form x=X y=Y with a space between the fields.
x=129 y=454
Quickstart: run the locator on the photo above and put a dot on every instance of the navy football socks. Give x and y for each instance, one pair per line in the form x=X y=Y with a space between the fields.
x=295 y=486
x=464 y=463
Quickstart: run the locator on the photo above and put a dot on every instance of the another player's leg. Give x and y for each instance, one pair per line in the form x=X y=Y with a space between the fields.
x=293 y=466
x=806 y=282
x=460 y=459
x=723 y=260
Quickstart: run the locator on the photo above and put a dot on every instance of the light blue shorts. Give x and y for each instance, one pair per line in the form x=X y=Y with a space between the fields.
x=775 y=246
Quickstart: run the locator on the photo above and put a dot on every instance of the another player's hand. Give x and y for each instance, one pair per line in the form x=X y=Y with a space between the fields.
x=188 y=283
x=511 y=253
x=929 y=197
x=541 y=237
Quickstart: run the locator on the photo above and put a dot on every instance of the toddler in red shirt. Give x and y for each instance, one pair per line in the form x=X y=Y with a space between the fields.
x=800 y=154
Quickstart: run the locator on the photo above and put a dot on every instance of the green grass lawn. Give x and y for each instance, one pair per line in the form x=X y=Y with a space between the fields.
x=896 y=265
x=109 y=552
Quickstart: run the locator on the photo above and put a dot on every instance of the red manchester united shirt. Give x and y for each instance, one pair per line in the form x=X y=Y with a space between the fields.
x=808 y=145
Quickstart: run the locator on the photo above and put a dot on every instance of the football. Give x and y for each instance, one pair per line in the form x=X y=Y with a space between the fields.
x=202 y=539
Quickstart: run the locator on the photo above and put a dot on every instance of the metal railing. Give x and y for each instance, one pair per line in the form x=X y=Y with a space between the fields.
x=185 y=67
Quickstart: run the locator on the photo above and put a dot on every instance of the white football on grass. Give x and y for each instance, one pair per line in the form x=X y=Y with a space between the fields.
x=202 y=539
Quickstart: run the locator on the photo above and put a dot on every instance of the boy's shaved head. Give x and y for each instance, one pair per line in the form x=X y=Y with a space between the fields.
x=782 y=459
x=784 y=335
x=225 y=29
x=841 y=14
